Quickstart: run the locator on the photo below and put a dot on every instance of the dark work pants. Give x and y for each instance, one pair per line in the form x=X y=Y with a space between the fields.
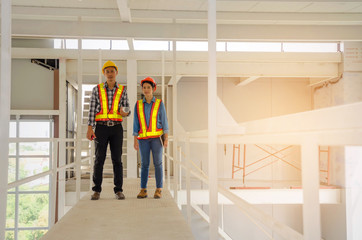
x=113 y=136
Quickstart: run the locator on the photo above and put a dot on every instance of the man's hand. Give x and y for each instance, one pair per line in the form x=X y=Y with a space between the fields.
x=90 y=133
x=123 y=113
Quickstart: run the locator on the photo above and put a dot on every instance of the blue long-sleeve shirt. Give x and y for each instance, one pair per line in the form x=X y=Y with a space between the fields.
x=161 y=116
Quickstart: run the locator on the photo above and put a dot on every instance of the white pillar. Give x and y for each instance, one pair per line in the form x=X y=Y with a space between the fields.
x=174 y=122
x=163 y=100
x=310 y=182
x=5 y=89
x=62 y=134
x=100 y=75
x=353 y=156
x=132 y=97
x=212 y=96
x=79 y=121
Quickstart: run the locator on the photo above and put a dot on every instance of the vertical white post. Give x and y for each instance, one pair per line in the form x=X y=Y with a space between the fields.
x=353 y=156
x=163 y=100
x=188 y=179
x=212 y=96
x=91 y=165
x=100 y=76
x=174 y=122
x=53 y=184
x=132 y=97
x=310 y=182
x=79 y=121
x=62 y=135
x=5 y=90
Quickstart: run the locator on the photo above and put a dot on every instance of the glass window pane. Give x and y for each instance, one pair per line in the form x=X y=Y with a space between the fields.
x=150 y=45
x=96 y=44
x=191 y=46
x=12 y=129
x=31 y=234
x=221 y=46
x=254 y=47
x=12 y=148
x=34 y=148
x=57 y=43
x=34 y=129
x=9 y=235
x=12 y=170
x=120 y=45
x=40 y=184
x=31 y=166
x=33 y=210
x=71 y=43
x=310 y=47
x=10 y=211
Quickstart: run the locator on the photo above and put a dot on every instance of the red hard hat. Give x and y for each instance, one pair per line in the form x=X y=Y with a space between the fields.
x=149 y=80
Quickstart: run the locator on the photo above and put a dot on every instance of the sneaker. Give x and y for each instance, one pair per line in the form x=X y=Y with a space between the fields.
x=120 y=196
x=143 y=193
x=158 y=193
x=95 y=196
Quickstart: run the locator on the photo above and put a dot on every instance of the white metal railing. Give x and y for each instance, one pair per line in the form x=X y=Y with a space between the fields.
x=54 y=170
x=252 y=212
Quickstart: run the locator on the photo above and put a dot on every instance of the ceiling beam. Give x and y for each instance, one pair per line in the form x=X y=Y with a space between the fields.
x=70 y=29
x=247 y=81
x=124 y=11
x=184 y=56
x=67 y=13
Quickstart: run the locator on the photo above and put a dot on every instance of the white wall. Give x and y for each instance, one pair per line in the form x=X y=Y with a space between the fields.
x=31 y=86
x=262 y=98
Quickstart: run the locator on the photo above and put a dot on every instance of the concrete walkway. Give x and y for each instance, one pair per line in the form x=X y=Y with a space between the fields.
x=128 y=219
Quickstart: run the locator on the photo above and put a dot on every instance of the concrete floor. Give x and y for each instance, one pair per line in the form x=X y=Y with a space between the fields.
x=128 y=219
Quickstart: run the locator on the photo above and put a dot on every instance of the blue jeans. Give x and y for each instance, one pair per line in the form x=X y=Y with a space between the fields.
x=146 y=146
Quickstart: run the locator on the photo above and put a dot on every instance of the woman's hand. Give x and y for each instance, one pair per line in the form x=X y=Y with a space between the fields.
x=165 y=143
x=136 y=146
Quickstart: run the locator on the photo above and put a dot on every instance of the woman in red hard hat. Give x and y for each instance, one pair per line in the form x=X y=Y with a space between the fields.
x=149 y=124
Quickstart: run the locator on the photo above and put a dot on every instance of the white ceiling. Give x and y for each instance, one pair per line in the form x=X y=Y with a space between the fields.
x=186 y=19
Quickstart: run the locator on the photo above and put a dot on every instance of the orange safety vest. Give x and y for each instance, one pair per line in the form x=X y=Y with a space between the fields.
x=151 y=131
x=112 y=114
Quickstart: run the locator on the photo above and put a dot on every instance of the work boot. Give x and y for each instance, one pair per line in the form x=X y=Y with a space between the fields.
x=143 y=193
x=120 y=196
x=95 y=196
x=158 y=193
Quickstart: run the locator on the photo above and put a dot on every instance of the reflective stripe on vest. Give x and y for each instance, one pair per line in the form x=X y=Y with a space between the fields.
x=152 y=131
x=113 y=114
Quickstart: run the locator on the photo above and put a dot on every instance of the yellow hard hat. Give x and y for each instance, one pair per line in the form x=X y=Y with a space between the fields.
x=109 y=64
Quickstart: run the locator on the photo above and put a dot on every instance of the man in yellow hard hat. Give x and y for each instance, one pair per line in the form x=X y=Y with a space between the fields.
x=108 y=106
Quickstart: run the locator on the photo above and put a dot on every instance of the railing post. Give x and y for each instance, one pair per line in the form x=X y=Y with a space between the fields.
x=175 y=175
x=91 y=165
x=188 y=178
x=167 y=152
x=53 y=179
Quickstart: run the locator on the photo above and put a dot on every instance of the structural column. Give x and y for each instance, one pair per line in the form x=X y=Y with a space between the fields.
x=353 y=156
x=132 y=97
x=212 y=133
x=310 y=182
x=62 y=135
x=5 y=89
x=79 y=121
